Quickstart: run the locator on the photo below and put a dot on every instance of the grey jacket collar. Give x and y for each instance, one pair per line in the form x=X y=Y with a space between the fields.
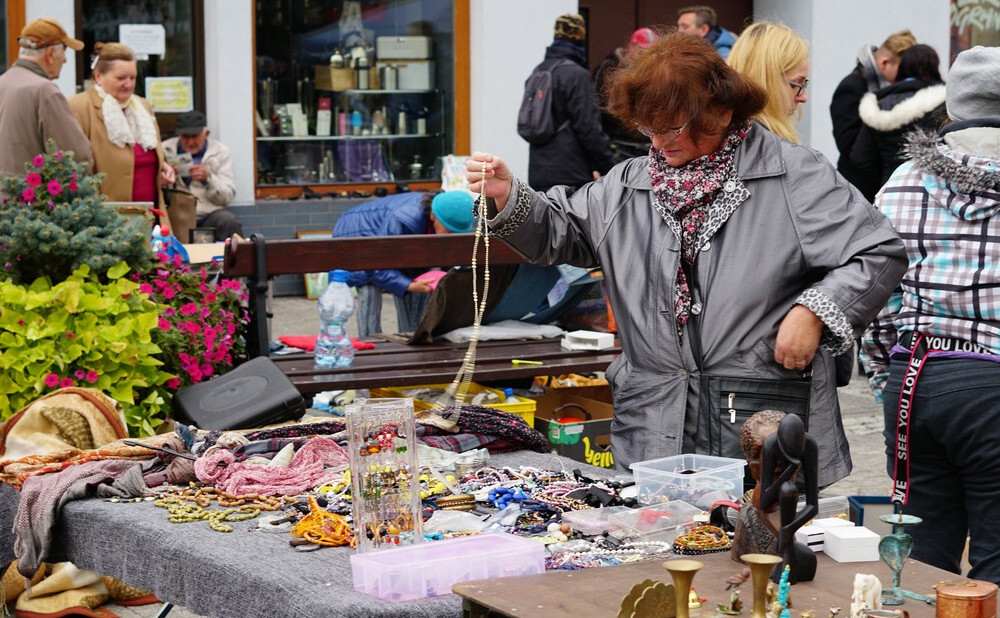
x=759 y=156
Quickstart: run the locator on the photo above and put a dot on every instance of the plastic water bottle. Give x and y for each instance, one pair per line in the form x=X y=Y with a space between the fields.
x=336 y=304
x=509 y=396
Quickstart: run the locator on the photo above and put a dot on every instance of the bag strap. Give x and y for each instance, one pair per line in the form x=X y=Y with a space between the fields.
x=694 y=329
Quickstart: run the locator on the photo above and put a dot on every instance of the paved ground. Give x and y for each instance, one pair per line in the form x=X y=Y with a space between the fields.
x=862 y=422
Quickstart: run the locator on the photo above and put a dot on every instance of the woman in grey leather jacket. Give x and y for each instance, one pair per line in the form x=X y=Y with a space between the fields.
x=788 y=262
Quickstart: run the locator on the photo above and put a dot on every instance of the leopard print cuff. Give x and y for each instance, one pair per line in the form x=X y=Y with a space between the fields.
x=837 y=335
x=514 y=214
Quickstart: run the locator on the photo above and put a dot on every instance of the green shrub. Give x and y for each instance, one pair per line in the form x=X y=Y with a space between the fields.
x=53 y=220
x=86 y=331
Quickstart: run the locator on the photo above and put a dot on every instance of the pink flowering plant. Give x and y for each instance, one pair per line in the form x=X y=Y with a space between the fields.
x=53 y=219
x=202 y=321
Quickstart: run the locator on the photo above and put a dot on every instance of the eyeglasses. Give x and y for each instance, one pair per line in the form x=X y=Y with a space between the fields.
x=669 y=134
x=801 y=87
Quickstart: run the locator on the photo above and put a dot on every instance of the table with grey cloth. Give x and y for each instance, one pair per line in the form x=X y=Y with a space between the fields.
x=239 y=574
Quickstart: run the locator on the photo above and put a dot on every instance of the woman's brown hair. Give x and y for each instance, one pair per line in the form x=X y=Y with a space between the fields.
x=106 y=53
x=680 y=78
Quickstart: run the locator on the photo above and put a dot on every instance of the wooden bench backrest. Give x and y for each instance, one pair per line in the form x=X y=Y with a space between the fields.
x=293 y=257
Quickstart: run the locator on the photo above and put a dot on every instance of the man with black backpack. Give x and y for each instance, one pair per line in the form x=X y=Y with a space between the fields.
x=559 y=115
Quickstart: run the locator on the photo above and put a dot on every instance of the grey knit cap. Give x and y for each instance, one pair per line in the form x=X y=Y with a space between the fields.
x=973 y=89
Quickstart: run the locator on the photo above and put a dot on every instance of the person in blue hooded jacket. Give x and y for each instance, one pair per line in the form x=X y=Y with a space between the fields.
x=398 y=215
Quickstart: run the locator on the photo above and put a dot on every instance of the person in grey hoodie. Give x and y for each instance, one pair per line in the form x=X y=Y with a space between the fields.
x=725 y=232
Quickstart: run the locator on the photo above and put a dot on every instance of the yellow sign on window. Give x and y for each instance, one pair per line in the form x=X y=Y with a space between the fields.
x=170 y=94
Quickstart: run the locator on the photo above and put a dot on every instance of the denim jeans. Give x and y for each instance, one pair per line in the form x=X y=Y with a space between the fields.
x=954 y=462
x=409 y=309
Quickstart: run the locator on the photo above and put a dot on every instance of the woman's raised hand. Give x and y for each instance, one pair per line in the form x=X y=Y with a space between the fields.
x=498 y=178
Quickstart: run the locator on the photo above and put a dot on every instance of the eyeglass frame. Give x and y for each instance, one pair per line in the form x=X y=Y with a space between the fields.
x=646 y=131
x=801 y=86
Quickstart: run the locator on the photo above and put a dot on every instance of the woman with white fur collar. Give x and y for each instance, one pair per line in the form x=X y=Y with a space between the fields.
x=915 y=99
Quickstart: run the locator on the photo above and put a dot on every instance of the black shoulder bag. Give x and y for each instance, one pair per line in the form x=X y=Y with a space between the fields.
x=727 y=402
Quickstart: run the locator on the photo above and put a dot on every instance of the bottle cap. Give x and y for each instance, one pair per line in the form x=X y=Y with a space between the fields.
x=338 y=275
x=508 y=392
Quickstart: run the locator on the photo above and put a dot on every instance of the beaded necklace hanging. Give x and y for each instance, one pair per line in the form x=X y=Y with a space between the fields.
x=459 y=387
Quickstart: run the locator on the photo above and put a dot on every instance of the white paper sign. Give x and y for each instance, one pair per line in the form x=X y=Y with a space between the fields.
x=144 y=39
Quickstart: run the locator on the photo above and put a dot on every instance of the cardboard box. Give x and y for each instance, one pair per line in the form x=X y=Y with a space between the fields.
x=851 y=544
x=343 y=78
x=588 y=439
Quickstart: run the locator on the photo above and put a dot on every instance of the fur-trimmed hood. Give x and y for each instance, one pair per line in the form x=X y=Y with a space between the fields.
x=968 y=185
x=910 y=109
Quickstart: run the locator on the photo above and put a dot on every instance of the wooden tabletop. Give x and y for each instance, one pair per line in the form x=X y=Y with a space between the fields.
x=397 y=364
x=598 y=592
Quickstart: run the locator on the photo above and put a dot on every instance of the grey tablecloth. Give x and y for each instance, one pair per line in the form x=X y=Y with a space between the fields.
x=236 y=575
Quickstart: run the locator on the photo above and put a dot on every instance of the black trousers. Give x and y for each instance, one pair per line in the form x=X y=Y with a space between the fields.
x=954 y=461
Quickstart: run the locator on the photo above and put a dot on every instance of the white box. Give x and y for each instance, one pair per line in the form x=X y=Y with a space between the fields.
x=851 y=544
x=587 y=340
x=412 y=74
x=402 y=47
x=811 y=537
x=832 y=522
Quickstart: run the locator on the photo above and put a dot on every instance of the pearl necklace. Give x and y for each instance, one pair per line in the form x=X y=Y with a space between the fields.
x=459 y=387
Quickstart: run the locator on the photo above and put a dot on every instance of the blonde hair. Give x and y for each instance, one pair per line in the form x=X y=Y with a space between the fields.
x=897 y=43
x=106 y=53
x=763 y=53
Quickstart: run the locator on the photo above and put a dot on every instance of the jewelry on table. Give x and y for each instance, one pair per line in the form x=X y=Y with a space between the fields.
x=702 y=540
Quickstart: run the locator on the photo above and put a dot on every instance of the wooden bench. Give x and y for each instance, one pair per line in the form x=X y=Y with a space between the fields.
x=391 y=363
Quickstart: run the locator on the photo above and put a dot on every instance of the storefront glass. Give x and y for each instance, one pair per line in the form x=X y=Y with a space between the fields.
x=165 y=36
x=353 y=92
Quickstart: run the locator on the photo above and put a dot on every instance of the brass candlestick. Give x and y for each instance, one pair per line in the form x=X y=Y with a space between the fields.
x=760 y=570
x=682 y=572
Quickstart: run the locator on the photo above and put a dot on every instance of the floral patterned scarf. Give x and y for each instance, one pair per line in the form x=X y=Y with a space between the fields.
x=683 y=195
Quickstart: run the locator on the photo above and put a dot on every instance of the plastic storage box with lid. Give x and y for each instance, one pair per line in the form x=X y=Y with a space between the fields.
x=657 y=522
x=696 y=479
x=432 y=568
x=525 y=408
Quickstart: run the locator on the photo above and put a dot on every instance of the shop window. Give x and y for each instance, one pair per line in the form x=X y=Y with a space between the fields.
x=167 y=36
x=353 y=91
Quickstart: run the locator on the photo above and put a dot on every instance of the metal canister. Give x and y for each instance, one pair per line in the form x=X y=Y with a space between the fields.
x=389 y=77
x=969 y=599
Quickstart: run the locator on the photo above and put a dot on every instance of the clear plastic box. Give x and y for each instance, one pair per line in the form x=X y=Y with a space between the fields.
x=592 y=521
x=431 y=569
x=690 y=478
x=657 y=522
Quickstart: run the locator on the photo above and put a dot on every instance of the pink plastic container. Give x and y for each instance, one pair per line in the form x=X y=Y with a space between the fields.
x=430 y=569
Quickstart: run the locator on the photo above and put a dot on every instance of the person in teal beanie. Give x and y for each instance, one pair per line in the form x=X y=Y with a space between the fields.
x=396 y=215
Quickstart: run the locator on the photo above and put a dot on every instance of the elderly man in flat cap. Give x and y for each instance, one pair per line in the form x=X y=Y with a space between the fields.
x=32 y=109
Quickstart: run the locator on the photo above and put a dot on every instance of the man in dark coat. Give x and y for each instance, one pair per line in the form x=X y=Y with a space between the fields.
x=581 y=148
x=876 y=69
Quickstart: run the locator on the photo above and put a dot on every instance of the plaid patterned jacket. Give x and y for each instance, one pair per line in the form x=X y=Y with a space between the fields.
x=944 y=204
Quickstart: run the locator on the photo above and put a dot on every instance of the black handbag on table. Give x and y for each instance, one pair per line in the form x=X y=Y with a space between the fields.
x=726 y=402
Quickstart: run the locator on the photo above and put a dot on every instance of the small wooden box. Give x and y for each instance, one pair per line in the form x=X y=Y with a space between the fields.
x=345 y=78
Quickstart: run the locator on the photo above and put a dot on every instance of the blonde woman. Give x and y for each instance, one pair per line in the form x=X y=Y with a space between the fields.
x=123 y=133
x=777 y=60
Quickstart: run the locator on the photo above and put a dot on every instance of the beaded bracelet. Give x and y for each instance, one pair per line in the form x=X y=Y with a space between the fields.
x=702 y=540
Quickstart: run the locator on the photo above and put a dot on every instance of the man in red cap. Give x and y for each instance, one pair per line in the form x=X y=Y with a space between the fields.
x=32 y=109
